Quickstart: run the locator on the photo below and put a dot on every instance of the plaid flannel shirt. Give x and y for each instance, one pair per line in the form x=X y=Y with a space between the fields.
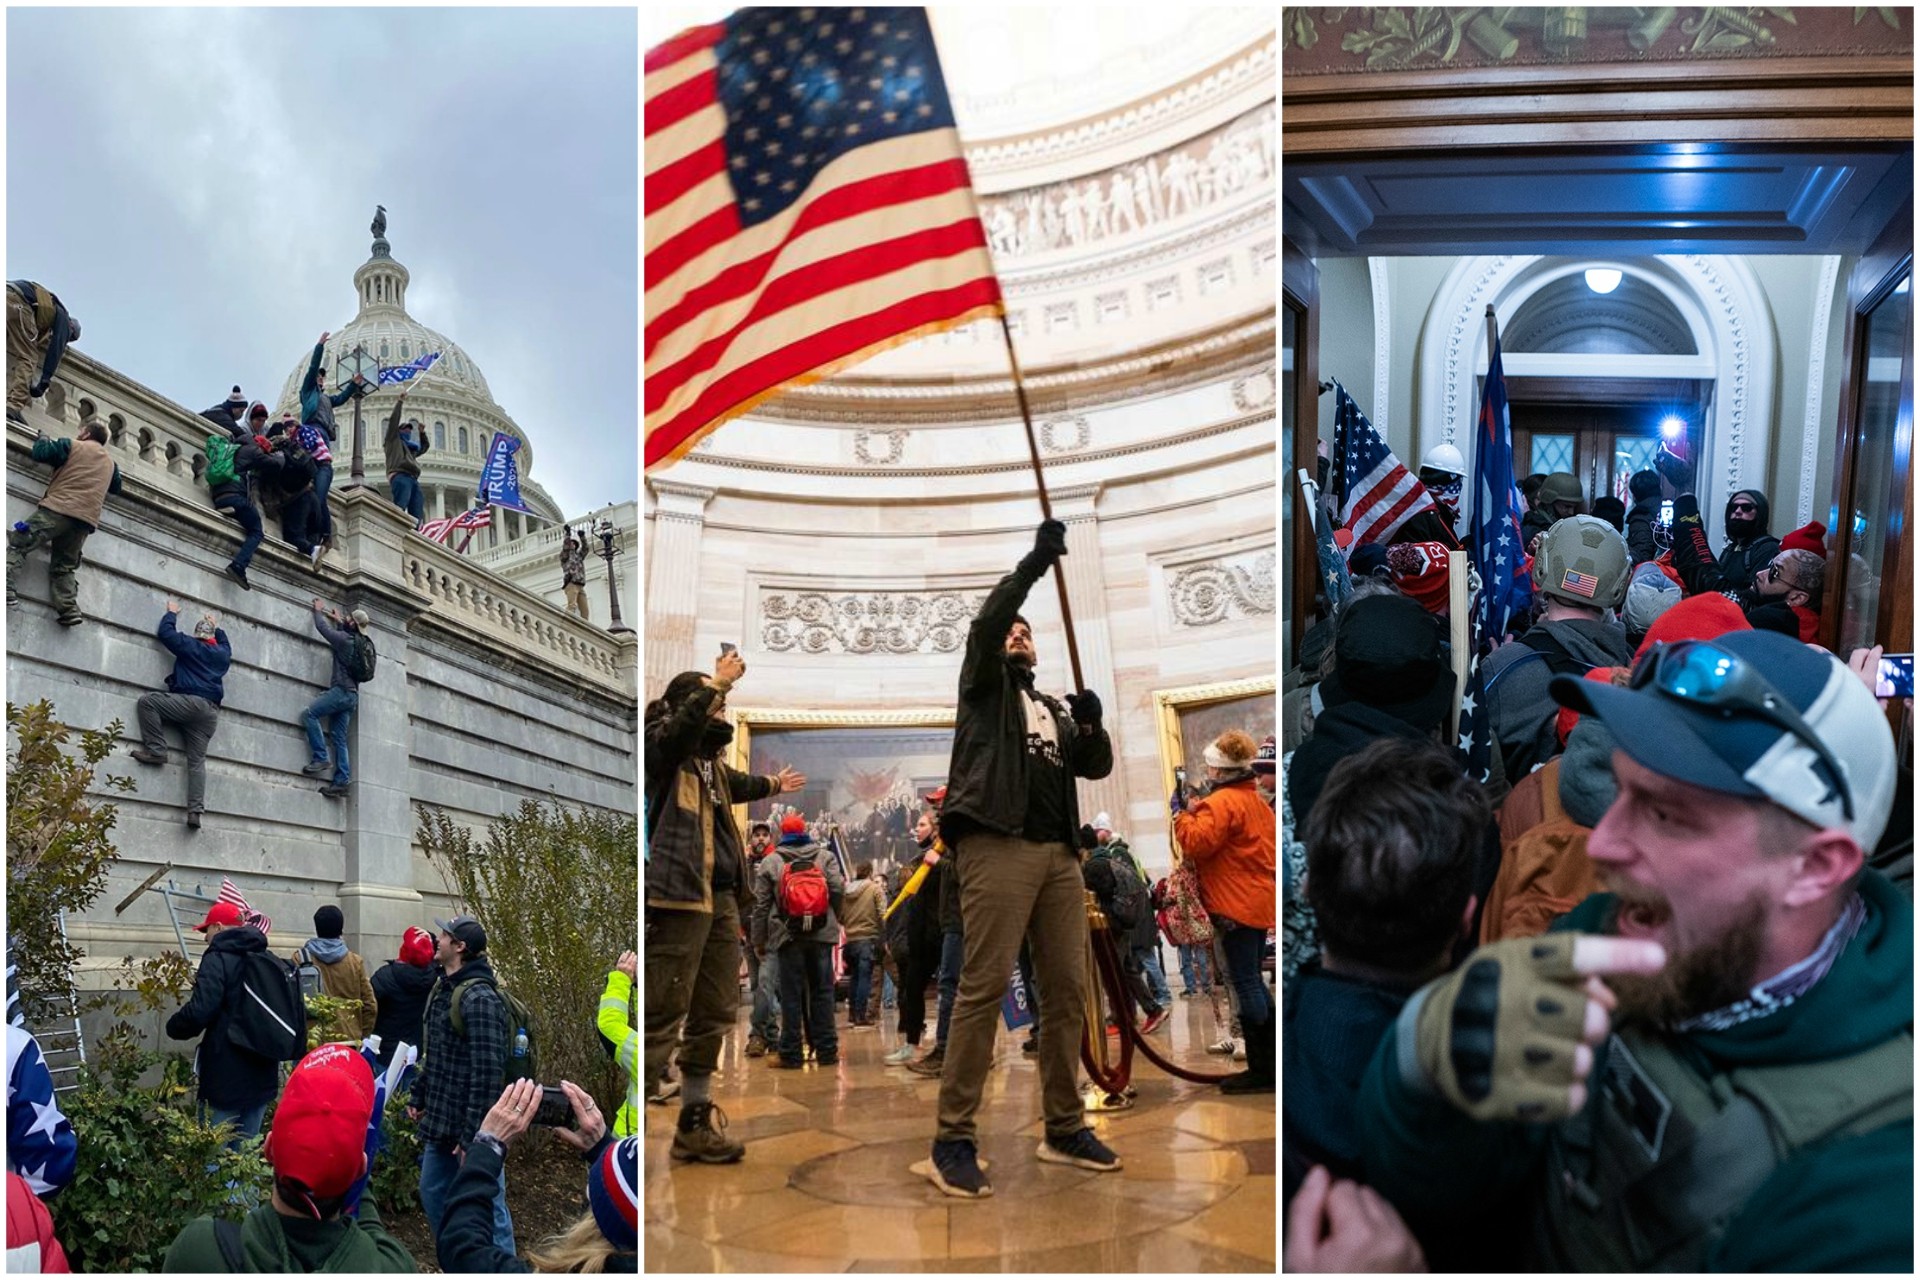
x=461 y=1076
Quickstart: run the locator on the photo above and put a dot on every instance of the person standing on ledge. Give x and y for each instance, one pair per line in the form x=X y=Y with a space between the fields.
x=84 y=473
x=1011 y=816
x=573 y=574
x=403 y=448
x=192 y=701
x=38 y=331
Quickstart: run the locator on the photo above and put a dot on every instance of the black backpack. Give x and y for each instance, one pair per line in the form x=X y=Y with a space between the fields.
x=269 y=1017
x=1130 y=902
x=360 y=657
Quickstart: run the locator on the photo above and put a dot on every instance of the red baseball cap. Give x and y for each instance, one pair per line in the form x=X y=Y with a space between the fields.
x=937 y=796
x=319 y=1134
x=219 y=913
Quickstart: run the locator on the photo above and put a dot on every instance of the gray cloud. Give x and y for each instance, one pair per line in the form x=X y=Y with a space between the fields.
x=196 y=184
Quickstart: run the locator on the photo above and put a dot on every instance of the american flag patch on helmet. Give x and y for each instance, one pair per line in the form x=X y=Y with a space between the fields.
x=1580 y=584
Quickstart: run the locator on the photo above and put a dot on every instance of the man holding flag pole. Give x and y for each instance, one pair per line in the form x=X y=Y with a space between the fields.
x=751 y=150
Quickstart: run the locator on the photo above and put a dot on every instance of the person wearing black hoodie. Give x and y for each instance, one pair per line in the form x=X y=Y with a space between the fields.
x=235 y=1085
x=1643 y=517
x=1749 y=549
x=400 y=991
x=195 y=691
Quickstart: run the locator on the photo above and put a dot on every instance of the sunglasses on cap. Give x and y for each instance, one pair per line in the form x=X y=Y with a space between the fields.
x=1703 y=675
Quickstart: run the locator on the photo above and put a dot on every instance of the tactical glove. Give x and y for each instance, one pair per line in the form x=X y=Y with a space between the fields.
x=1085 y=706
x=1499 y=1035
x=1050 y=540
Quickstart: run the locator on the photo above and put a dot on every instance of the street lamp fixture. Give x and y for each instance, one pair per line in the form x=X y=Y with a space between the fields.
x=363 y=370
x=609 y=535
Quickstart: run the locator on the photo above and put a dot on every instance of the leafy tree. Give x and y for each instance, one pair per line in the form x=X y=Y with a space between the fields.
x=557 y=890
x=59 y=842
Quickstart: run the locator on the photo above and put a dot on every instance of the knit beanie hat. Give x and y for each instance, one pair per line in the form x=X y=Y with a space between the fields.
x=613 y=1191
x=1644 y=484
x=1808 y=537
x=235 y=397
x=1233 y=749
x=1420 y=570
x=416 y=947
x=328 y=922
x=206 y=629
x=1650 y=593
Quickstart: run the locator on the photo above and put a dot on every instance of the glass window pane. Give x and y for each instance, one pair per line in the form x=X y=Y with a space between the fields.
x=1551 y=454
x=1631 y=454
x=1873 y=469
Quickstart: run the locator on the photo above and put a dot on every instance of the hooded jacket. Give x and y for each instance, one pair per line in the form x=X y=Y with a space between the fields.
x=1341 y=730
x=1641 y=518
x=400 y=993
x=230 y=1077
x=691 y=829
x=199 y=668
x=1842 y=1205
x=247 y=458
x=768 y=927
x=862 y=908
x=1524 y=714
x=987 y=777
x=403 y=459
x=1735 y=568
x=340 y=641
x=272 y=1243
x=343 y=976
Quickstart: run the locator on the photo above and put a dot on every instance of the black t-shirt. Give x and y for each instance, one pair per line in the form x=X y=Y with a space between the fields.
x=1047 y=776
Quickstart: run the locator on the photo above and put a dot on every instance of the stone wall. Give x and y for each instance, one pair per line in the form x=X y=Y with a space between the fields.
x=485 y=694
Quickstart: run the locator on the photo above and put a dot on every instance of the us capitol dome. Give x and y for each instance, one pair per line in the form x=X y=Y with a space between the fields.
x=452 y=398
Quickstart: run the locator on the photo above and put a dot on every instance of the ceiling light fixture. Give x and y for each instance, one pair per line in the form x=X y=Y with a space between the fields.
x=1602 y=279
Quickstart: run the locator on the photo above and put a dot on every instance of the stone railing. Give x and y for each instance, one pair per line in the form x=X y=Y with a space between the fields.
x=490 y=606
x=164 y=444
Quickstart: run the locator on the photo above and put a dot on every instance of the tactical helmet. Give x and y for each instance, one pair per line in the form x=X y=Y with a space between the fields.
x=1558 y=487
x=1583 y=560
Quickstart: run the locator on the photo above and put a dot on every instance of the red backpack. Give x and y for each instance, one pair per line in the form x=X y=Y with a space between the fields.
x=1187 y=922
x=804 y=899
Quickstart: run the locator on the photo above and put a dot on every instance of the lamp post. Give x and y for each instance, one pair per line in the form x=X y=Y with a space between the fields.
x=609 y=535
x=364 y=372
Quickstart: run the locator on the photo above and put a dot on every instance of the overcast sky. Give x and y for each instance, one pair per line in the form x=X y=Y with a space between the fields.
x=197 y=184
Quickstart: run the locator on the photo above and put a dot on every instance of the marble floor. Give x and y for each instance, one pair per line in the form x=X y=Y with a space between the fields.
x=825 y=1184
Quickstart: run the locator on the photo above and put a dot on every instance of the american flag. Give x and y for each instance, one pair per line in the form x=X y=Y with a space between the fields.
x=402 y=372
x=807 y=205
x=1377 y=494
x=436 y=530
x=1333 y=566
x=1499 y=558
x=230 y=892
x=477 y=518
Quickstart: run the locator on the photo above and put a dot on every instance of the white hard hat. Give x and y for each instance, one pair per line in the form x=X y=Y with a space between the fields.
x=1444 y=457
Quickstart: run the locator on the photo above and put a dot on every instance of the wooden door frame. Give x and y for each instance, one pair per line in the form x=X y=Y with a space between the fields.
x=1300 y=289
x=1873 y=280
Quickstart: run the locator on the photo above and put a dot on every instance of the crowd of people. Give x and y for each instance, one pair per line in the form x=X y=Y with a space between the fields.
x=1635 y=994
x=992 y=898
x=434 y=1026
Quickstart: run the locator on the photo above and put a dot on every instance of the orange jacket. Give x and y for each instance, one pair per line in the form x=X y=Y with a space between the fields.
x=1230 y=836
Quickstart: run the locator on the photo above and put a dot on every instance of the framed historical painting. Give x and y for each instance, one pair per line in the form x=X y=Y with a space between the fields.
x=1194 y=715
x=865 y=771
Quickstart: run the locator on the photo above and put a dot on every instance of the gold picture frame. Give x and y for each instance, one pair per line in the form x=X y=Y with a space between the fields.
x=1169 y=704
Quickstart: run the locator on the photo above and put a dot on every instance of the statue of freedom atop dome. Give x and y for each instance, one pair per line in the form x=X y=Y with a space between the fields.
x=379 y=222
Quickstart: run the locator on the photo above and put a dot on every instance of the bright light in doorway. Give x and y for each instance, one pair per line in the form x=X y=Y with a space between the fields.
x=1602 y=279
x=1673 y=428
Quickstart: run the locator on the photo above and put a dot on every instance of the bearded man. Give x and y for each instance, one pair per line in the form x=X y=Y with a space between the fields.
x=697 y=887
x=1738 y=1093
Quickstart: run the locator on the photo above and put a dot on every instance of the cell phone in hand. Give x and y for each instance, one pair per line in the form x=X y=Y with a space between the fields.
x=1895 y=678
x=1180 y=776
x=554 y=1111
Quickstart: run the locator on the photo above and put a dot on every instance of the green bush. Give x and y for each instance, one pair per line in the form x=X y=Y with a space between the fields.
x=147 y=1166
x=332 y=1019
x=59 y=846
x=557 y=890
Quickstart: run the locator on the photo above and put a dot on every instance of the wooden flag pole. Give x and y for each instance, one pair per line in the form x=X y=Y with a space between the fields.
x=1046 y=506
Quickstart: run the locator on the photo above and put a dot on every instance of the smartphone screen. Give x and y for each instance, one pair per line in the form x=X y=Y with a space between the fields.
x=1179 y=775
x=1896 y=676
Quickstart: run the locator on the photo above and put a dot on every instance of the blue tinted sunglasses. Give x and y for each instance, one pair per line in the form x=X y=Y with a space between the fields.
x=1703 y=675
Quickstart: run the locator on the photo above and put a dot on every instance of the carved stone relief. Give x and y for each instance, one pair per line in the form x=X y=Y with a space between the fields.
x=1254 y=391
x=868 y=622
x=894 y=446
x=1207 y=170
x=1223 y=589
x=1064 y=435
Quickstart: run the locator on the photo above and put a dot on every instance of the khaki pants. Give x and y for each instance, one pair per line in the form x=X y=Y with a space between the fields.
x=65 y=536
x=576 y=599
x=1010 y=889
x=25 y=350
x=693 y=987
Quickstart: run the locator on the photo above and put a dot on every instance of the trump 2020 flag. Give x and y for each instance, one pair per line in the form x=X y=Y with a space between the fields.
x=500 y=477
x=807 y=205
x=402 y=372
x=1378 y=494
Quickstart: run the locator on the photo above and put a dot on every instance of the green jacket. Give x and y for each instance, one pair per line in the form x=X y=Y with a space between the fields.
x=1843 y=1205
x=277 y=1245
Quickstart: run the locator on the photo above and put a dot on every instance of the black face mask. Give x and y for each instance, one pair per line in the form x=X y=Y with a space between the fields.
x=716 y=735
x=1742 y=528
